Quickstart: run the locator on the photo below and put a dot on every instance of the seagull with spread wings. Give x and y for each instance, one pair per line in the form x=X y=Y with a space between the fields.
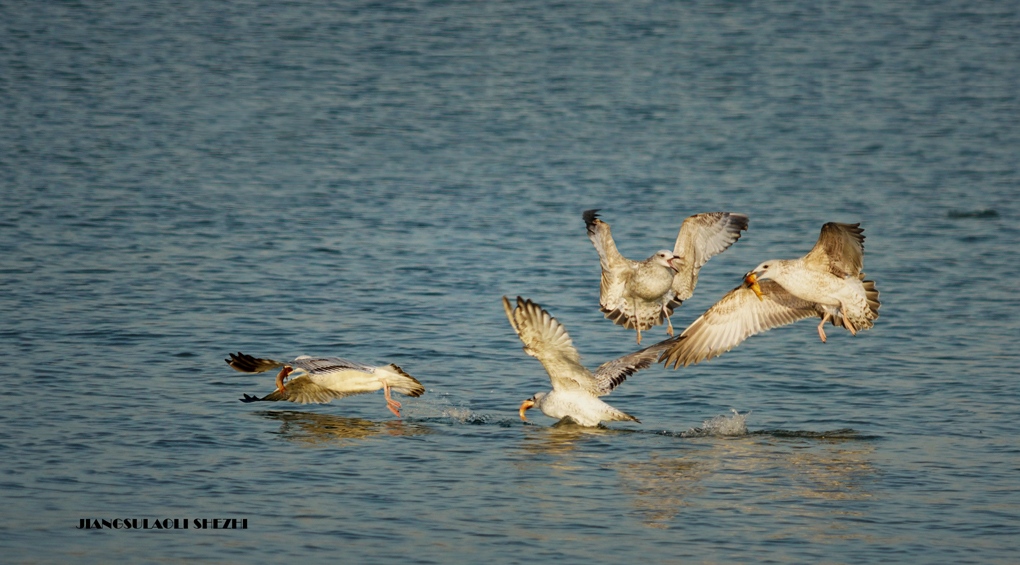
x=576 y=390
x=827 y=282
x=321 y=379
x=641 y=294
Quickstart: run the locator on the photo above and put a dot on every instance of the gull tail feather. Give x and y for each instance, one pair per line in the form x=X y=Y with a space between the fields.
x=402 y=382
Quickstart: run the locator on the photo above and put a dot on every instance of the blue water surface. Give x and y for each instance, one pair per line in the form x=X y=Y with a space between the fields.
x=181 y=180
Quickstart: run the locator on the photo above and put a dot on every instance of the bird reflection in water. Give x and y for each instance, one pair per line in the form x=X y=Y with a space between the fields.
x=752 y=474
x=327 y=429
x=661 y=486
x=564 y=436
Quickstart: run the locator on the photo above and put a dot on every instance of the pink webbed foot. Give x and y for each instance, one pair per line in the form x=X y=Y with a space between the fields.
x=821 y=326
x=393 y=405
x=849 y=326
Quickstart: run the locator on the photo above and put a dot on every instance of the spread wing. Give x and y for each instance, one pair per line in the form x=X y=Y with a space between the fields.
x=734 y=318
x=302 y=391
x=313 y=365
x=610 y=374
x=328 y=365
x=616 y=269
x=248 y=364
x=839 y=250
x=701 y=237
x=547 y=340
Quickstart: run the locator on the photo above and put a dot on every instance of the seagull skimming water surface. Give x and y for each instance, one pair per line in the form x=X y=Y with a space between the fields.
x=576 y=390
x=321 y=379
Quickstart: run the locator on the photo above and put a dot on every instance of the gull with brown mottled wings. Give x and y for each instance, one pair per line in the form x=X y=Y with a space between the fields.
x=827 y=282
x=641 y=294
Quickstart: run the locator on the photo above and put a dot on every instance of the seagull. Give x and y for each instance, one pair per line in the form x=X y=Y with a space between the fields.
x=321 y=379
x=576 y=390
x=639 y=294
x=827 y=282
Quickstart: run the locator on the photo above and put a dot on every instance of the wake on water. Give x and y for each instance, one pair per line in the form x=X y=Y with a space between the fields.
x=443 y=408
x=440 y=411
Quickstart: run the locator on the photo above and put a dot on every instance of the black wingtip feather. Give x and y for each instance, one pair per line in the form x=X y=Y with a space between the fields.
x=241 y=362
x=740 y=221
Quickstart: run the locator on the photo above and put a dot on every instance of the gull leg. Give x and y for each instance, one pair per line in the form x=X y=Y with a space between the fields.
x=669 y=323
x=821 y=326
x=286 y=370
x=393 y=405
x=637 y=322
x=849 y=325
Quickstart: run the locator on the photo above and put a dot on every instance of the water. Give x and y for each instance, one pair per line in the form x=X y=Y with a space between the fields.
x=182 y=180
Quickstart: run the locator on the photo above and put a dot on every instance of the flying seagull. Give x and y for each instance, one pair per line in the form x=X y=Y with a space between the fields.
x=576 y=390
x=321 y=379
x=827 y=282
x=640 y=294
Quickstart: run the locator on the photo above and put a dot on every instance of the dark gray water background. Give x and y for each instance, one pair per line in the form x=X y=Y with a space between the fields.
x=184 y=179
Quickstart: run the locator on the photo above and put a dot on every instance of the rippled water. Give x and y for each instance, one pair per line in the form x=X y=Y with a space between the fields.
x=181 y=180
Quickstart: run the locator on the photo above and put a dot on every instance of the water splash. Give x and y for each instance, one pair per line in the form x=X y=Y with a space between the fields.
x=442 y=408
x=721 y=425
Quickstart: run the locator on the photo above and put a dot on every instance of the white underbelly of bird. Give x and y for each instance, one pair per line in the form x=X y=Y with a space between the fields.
x=581 y=407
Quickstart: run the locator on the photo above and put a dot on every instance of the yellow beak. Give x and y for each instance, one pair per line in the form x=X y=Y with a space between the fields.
x=529 y=403
x=752 y=281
